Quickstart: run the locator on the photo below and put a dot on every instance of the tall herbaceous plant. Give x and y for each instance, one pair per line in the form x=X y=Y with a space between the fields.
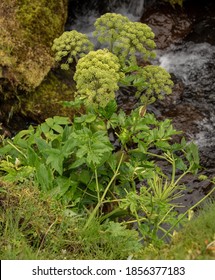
x=106 y=164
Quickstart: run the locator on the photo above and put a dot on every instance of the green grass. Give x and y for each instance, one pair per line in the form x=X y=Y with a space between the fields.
x=192 y=241
x=33 y=226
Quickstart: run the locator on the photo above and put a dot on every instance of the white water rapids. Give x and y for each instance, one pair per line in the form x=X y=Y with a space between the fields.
x=194 y=65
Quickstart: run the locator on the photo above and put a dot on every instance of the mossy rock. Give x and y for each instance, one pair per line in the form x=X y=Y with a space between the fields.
x=46 y=100
x=28 y=29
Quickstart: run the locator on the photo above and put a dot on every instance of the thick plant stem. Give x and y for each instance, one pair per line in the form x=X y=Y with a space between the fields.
x=95 y=210
x=97 y=185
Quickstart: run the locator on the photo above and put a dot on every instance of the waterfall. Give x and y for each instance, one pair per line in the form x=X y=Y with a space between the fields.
x=84 y=21
x=136 y=7
x=133 y=9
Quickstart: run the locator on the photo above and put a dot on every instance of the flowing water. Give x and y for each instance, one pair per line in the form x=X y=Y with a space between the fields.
x=84 y=21
x=132 y=9
x=194 y=65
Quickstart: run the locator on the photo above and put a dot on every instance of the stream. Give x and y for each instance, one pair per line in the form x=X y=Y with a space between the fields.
x=189 y=57
x=193 y=64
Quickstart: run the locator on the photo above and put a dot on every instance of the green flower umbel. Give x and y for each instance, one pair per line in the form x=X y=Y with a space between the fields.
x=153 y=82
x=108 y=27
x=135 y=37
x=124 y=37
x=97 y=76
x=69 y=46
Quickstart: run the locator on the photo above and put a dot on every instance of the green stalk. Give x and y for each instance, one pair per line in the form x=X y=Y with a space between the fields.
x=167 y=213
x=191 y=208
x=158 y=156
x=111 y=44
x=167 y=233
x=173 y=171
x=97 y=185
x=182 y=175
x=134 y=221
x=137 y=218
x=95 y=210
x=18 y=150
x=115 y=213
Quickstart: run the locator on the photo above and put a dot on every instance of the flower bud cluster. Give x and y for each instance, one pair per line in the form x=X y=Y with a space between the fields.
x=157 y=82
x=126 y=38
x=135 y=37
x=108 y=27
x=97 y=76
x=69 y=46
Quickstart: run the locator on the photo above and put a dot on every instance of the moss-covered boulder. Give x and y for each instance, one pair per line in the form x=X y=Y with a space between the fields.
x=46 y=100
x=28 y=29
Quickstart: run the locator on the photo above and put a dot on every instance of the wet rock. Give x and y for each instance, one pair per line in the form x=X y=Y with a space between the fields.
x=176 y=96
x=169 y=25
x=199 y=33
x=203 y=18
x=184 y=118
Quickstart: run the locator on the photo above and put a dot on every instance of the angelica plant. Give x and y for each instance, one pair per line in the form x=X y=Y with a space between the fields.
x=97 y=76
x=70 y=46
x=99 y=73
x=152 y=82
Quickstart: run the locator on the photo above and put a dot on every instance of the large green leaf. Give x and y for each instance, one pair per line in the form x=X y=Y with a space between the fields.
x=44 y=177
x=55 y=159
